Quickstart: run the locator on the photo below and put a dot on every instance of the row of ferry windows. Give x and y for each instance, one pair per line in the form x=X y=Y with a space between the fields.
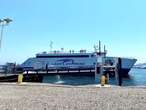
x=65 y=56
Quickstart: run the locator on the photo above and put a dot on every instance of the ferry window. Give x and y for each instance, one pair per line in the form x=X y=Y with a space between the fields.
x=64 y=56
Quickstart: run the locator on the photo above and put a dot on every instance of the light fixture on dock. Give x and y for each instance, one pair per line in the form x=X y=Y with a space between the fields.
x=3 y=22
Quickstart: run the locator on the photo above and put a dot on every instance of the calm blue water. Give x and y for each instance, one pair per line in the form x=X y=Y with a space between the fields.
x=137 y=78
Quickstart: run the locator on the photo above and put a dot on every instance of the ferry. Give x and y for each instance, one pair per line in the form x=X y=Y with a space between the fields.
x=82 y=60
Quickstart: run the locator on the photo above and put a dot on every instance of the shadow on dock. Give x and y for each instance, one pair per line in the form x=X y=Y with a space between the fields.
x=26 y=78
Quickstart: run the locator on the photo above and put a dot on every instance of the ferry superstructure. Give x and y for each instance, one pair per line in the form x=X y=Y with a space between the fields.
x=71 y=61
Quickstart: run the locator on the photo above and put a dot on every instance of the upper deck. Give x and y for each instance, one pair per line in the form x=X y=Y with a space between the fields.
x=75 y=54
x=54 y=54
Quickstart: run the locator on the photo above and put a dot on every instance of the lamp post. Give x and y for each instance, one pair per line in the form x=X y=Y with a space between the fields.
x=3 y=22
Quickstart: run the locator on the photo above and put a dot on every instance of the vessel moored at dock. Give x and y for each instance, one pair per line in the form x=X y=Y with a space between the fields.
x=82 y=60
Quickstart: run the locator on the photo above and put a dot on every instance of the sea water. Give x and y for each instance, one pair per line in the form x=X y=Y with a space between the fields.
x=137 y=78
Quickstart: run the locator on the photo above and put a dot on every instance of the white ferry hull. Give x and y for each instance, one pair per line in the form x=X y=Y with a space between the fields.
x=72 y=64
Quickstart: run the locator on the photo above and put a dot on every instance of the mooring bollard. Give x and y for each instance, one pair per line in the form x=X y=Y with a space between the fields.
x=103 y=80
x=20 y=78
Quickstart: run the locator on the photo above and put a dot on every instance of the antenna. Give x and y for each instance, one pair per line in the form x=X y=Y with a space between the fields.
x=95 y=49
x=51 y=46
x=99 y=46
x=104 y=49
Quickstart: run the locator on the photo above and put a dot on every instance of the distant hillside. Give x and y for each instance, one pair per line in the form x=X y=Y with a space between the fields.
x=141 y=65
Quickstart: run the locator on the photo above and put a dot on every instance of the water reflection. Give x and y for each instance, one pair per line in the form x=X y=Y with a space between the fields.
x=137 y=78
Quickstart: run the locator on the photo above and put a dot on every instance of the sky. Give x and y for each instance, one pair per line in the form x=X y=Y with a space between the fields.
x=73 y=25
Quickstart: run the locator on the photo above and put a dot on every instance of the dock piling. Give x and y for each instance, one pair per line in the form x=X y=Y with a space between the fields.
x=120 y=78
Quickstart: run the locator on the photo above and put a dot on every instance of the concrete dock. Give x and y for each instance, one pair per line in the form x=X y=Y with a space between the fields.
x=36 y=96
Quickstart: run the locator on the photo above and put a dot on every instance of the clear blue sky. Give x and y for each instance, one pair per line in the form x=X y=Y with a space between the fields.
x=73 y=24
